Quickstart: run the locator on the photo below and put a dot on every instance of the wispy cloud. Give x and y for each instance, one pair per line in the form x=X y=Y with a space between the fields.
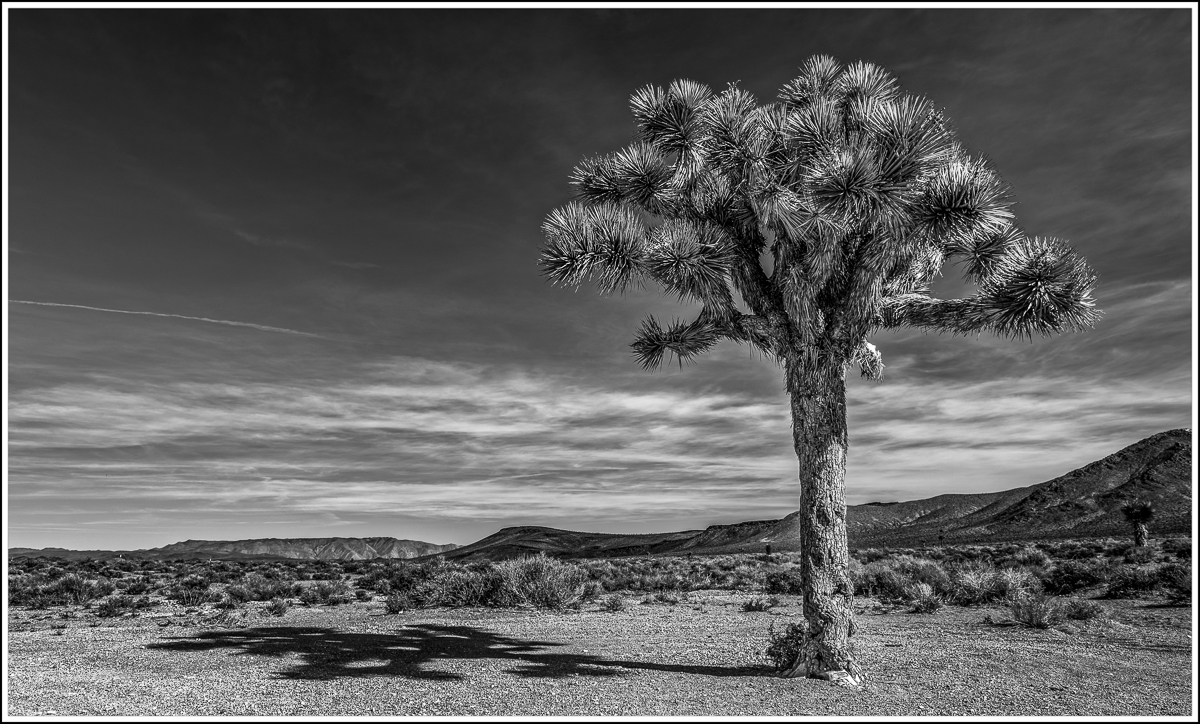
x=413 y=437
x=263 y=327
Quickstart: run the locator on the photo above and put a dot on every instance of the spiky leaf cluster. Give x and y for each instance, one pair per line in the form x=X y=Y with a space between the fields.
x=828 y=213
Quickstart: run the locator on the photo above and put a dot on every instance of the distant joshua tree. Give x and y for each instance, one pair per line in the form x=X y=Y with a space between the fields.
x=801 y=228
x=1138 y=514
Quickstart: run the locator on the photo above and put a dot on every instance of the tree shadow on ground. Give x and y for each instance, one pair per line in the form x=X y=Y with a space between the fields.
x=330 y=654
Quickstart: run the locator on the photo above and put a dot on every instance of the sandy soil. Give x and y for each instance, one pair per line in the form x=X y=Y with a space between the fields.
x=701 y=657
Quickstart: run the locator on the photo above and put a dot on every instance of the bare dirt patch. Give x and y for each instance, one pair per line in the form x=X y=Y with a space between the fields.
x=701 y=657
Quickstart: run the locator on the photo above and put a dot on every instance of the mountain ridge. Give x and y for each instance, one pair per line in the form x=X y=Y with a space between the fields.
x=335 y=548
x=1082 y=503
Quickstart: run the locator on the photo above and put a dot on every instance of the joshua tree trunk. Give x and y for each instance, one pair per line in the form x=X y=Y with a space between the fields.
x=819 y=434
x=1140 y=534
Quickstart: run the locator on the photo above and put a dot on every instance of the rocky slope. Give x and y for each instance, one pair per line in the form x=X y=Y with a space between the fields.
x=1083 y=503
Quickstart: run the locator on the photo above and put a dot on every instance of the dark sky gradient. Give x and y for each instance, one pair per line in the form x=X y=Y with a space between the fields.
x=362 y=192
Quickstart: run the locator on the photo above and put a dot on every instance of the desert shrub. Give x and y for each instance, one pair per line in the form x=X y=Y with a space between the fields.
x=119 y=604
x=265 y=588
x=135 y=585
x=666 y=597
x=1015 y=583
x=1071 y=576
x=1026 y=558
x=785 y=645
x=614 y=603
x=1139 y=555
x=1082 y=610
x=397 y=603
x=238 y=593
x=1132 y=582
x=759 y=603
x=362 y=594
x=923 y=599
x=1074 y=551
x=1035 y=610
x=921 y=570
x=1118 y=550
x=70 y=588
x=277 y=606
x=461 y=588
x=591 y=591
x=1176 y=580
x=784 y=581
x=974 y=583
x=541 y=582
x=881 y=580
x=1181 y=548
x=332 y=592
x=193 y=590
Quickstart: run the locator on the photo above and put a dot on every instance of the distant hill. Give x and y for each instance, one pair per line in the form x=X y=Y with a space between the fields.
x=1083 y=503
x=340 y=549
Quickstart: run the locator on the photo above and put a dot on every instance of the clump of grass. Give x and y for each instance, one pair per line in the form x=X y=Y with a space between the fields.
x=923 y=599
x=1011 y=583
x=278 y=606
x=974 y=584
x=759 y=603
x=1036 y=610
x=541 y=582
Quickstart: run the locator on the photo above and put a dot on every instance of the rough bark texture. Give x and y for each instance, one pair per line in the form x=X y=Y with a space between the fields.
x=1140 y=535
x=818 y=399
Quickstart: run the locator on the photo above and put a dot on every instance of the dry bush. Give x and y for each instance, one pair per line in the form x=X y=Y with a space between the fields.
x=785 y=644
x=1133 y=582
x=1035 y=610
x=923 y=599
x=785 y=581
x=398 y=603
x=1073 y=575
x=119 y=604
x=1176 y=580
x=759 y=603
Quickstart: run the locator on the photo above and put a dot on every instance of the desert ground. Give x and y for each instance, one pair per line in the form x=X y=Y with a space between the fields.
x=701 y=655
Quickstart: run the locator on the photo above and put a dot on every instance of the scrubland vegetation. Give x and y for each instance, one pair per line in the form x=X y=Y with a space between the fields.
x=1036 y=585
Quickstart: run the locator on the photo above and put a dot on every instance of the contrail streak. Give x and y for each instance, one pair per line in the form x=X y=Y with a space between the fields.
x=263 y=327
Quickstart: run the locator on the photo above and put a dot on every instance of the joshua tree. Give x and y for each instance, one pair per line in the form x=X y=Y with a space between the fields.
x=1138 y=514
x=800 y=228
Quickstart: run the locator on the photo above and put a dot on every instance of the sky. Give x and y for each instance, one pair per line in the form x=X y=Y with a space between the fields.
x=274 y=273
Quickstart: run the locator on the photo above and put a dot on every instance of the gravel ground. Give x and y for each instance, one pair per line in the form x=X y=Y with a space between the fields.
x=701 y=657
